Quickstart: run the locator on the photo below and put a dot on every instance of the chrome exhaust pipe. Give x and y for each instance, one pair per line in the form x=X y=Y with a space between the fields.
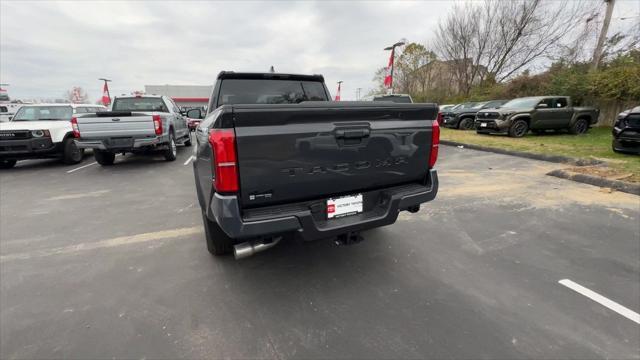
x=246 y=249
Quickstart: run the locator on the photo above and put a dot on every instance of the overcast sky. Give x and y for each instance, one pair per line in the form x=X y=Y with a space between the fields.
x=48 y=47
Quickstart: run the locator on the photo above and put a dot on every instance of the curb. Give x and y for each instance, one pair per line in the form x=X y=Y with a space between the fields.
x=550 y=158
x=597 y=181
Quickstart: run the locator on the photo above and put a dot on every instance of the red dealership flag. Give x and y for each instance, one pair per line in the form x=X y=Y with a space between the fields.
x=388 y=79
x=338 y=93
x=106 y=100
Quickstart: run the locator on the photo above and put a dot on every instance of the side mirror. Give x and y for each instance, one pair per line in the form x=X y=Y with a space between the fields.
x=194 y=114
x=10 y=118
x=542 y=106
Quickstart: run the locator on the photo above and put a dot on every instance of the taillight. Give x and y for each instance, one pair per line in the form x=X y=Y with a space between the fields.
x=157 y=124
x=225 y=163
x=435 y=142
x=440 y=118
x=74 y=127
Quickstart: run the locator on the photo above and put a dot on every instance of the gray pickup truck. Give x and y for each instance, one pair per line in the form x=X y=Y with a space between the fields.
x=538 y=114
x=135 y=124
x=275 y=156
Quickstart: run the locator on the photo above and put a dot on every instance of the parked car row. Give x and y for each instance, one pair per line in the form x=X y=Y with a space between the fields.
x=519 y=116
x=538 y=114
x=149 y=124
x=462 y=116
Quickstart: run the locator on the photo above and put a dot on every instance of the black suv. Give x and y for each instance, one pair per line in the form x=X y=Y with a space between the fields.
x=463 y=116
x=626 y=132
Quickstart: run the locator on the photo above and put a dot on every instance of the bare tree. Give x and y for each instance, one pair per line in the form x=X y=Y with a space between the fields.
x=499 y=39
x=454 y=42
x=378 y=79
x=76 y=95
x=411 y=68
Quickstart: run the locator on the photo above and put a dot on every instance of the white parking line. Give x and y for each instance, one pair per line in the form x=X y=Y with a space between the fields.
x=188 y=160
x=629 y=314
x=81 y=167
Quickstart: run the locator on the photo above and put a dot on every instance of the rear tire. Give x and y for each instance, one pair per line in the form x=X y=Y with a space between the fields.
x=171 y=153
x=71 y=154
x=7 y=164
x=466 y=124
x=518 y=129
x=581 y=126
x=218 y=243
x=104 y=158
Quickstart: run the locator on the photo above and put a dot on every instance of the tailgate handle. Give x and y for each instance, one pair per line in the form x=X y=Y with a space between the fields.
x=352 y=134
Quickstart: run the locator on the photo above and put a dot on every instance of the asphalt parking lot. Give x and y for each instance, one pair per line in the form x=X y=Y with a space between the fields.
x=111 y=263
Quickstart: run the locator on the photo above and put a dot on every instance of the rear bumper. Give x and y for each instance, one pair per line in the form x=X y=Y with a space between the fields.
x=112 y=145
x=308 y=219
x=626 y=144
x=33 y=148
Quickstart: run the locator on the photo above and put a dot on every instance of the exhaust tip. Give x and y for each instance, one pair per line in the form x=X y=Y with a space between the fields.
x=243 y=250
x=248 y=248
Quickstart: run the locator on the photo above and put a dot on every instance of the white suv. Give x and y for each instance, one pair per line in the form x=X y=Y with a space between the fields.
x=40 y=131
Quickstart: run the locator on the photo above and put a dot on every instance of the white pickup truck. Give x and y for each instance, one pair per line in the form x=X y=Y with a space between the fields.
x=135 y=124
x=40 y=131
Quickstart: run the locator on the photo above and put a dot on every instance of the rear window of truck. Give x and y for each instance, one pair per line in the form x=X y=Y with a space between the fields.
x=139 y=104
x=253 y=91
x=35 y=113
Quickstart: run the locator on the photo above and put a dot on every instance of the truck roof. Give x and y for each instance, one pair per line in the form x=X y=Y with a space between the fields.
x=279 y=76
x=543 y=97
x=62 y=104
x=138 y=96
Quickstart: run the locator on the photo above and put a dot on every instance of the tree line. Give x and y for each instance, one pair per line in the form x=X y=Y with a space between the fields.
x=505 y=49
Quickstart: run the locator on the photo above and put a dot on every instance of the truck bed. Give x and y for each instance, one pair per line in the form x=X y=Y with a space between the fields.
x=289 y=153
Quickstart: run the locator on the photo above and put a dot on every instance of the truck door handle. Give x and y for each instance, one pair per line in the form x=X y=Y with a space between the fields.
x=352 y=134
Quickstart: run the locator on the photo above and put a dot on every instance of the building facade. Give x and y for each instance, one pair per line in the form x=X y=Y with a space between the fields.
x=185 y=96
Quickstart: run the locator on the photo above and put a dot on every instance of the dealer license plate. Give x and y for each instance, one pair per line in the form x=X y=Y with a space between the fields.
x=483 y=124
x=344 y=206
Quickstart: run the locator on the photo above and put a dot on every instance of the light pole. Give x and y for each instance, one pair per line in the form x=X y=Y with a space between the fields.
x=393 y=53
x=597 y=53
x=358 y=90
x=106 y=88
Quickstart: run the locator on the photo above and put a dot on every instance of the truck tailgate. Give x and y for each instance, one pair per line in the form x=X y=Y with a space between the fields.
x=115 y=124
x=307 y=151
